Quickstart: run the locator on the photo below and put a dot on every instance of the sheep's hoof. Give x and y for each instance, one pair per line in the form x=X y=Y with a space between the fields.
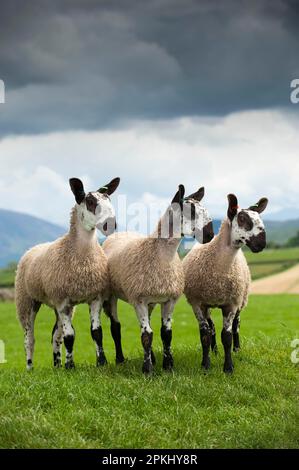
x=70 y=365
x=56 y=360
x=120 y=360
x=29 y=366
x=228 y=368
x=206 y=364
x=153 y=358
x=168 y=363
x=147 y=367
x=101 y=360
x=236 y=349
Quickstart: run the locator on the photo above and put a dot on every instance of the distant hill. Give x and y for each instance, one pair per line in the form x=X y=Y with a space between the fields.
x=18 y=232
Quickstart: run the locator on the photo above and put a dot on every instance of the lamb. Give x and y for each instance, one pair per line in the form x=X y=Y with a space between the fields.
x=217 y=275
x=145 y=270
x=71 y=270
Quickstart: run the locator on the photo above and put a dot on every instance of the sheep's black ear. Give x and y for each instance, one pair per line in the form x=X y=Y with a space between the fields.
x=110 y=187
x=259 y=206
x=198 y=195
x=179 y=196
x=232 y=206
x=78 y=189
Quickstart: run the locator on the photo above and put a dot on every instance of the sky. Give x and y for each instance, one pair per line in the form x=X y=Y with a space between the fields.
x=158 y=92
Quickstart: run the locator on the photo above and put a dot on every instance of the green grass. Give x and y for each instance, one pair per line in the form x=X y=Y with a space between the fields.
x=271 y=261
x=273 y=255
x=116 y=406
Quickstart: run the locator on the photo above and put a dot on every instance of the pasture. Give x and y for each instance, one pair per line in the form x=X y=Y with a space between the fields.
x=270 y=261
x=116 y=406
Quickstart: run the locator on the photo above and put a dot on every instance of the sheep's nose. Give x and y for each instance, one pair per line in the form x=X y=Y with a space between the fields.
x=258 y=242
x=208 y=233
x=109 y=226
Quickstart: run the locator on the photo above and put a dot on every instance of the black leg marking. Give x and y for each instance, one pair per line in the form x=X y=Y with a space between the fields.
x=146 y=340
x=153 y=357
x=236 y=328
x=115 y=328
x=205 y=337
x=213 y=336
x=69 y=343
x=97 y=336
x=226 y=337
x=166 y=336
x=56 y=346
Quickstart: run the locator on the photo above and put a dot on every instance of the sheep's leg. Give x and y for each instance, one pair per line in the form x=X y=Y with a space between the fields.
x=96 y=330
x=150 y=309
x=226 y=336
x=57 y=338
x=29 y=334
x=205 y=334
x=65 y=313
x=236 y=329
x=110 y=308
x=213 y=334
x=166 y=333
x=146 y=335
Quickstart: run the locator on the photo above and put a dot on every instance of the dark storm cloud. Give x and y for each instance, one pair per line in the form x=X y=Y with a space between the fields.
x=90 y=64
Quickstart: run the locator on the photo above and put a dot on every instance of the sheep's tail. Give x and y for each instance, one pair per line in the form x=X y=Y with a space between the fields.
x=23 y=300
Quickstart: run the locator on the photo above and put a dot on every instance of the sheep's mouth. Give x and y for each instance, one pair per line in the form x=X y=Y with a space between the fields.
x=109 y=226
x=257 y=243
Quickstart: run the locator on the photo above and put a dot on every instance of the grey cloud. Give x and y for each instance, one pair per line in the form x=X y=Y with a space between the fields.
x=94 y=64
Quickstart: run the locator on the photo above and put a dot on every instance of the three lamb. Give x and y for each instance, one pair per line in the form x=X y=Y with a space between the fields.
x=143 y=271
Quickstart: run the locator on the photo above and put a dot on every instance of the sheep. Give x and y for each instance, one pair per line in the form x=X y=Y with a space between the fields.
x=145 y=270
x=71 y=270
x=217 y=275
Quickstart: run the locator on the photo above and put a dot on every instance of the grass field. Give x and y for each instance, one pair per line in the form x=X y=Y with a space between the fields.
x=261 y=264
x=271 y=261
x=113 y=406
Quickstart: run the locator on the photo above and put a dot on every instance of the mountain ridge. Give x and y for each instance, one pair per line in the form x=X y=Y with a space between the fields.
x=19 y=232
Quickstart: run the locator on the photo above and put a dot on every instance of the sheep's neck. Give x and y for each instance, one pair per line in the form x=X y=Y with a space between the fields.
x=83 y=239
x=166 y=245
x=227 y=252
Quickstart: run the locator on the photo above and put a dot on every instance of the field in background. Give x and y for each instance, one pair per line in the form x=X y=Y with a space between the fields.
x=113 y=406
x=270 y=261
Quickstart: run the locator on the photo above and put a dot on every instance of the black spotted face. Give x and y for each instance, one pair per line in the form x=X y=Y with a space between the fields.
x=95 y=208
x=248 y=229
